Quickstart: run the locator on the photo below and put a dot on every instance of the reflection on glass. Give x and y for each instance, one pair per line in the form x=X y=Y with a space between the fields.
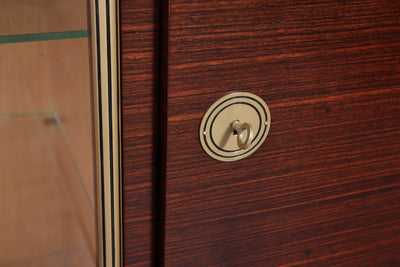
x=46 y=154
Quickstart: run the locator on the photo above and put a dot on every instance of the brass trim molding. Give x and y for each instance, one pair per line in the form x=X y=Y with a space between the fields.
x=106 y=95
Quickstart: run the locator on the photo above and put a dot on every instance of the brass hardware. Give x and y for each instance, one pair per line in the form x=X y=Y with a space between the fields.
x=235 y=126
x=239 y=128
x=106 y=94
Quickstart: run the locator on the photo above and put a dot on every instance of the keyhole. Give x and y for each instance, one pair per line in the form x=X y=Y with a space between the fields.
x=234 y=132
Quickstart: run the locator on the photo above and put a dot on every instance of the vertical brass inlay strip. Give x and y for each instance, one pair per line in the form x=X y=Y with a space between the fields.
x=105 y=50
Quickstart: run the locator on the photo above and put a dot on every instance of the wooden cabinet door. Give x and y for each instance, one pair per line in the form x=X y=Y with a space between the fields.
x=324 y=188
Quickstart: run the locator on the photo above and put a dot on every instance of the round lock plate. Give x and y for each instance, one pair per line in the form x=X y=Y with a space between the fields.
x=221 y=140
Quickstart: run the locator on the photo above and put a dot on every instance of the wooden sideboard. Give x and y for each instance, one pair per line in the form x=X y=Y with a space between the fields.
x=324 y=188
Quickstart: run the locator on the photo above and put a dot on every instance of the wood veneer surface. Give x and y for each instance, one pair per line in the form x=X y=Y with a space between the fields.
x=139 y=87
x=324 y=188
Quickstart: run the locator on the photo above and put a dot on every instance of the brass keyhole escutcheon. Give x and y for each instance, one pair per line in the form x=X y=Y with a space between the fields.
x=235 y=126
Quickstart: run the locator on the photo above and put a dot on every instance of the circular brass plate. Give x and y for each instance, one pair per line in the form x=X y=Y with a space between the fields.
x=216 y=135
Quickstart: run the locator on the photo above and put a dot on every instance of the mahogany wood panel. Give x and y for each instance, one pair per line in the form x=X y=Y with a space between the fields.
x=139 y=87
x=324 y=189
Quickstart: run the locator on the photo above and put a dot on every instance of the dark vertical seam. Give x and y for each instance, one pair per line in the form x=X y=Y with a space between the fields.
x=110 y=125
x=100 y=128
x=162 y=144
x=119 y=126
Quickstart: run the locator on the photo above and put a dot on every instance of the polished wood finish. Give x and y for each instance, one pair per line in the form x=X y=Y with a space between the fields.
x=324 y=188
x=139 y=87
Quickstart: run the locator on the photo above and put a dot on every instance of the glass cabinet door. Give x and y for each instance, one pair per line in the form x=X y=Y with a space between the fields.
x=47 y=178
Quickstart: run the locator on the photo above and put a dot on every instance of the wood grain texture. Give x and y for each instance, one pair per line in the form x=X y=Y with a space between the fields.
x=139 y=87
x=324 y=188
